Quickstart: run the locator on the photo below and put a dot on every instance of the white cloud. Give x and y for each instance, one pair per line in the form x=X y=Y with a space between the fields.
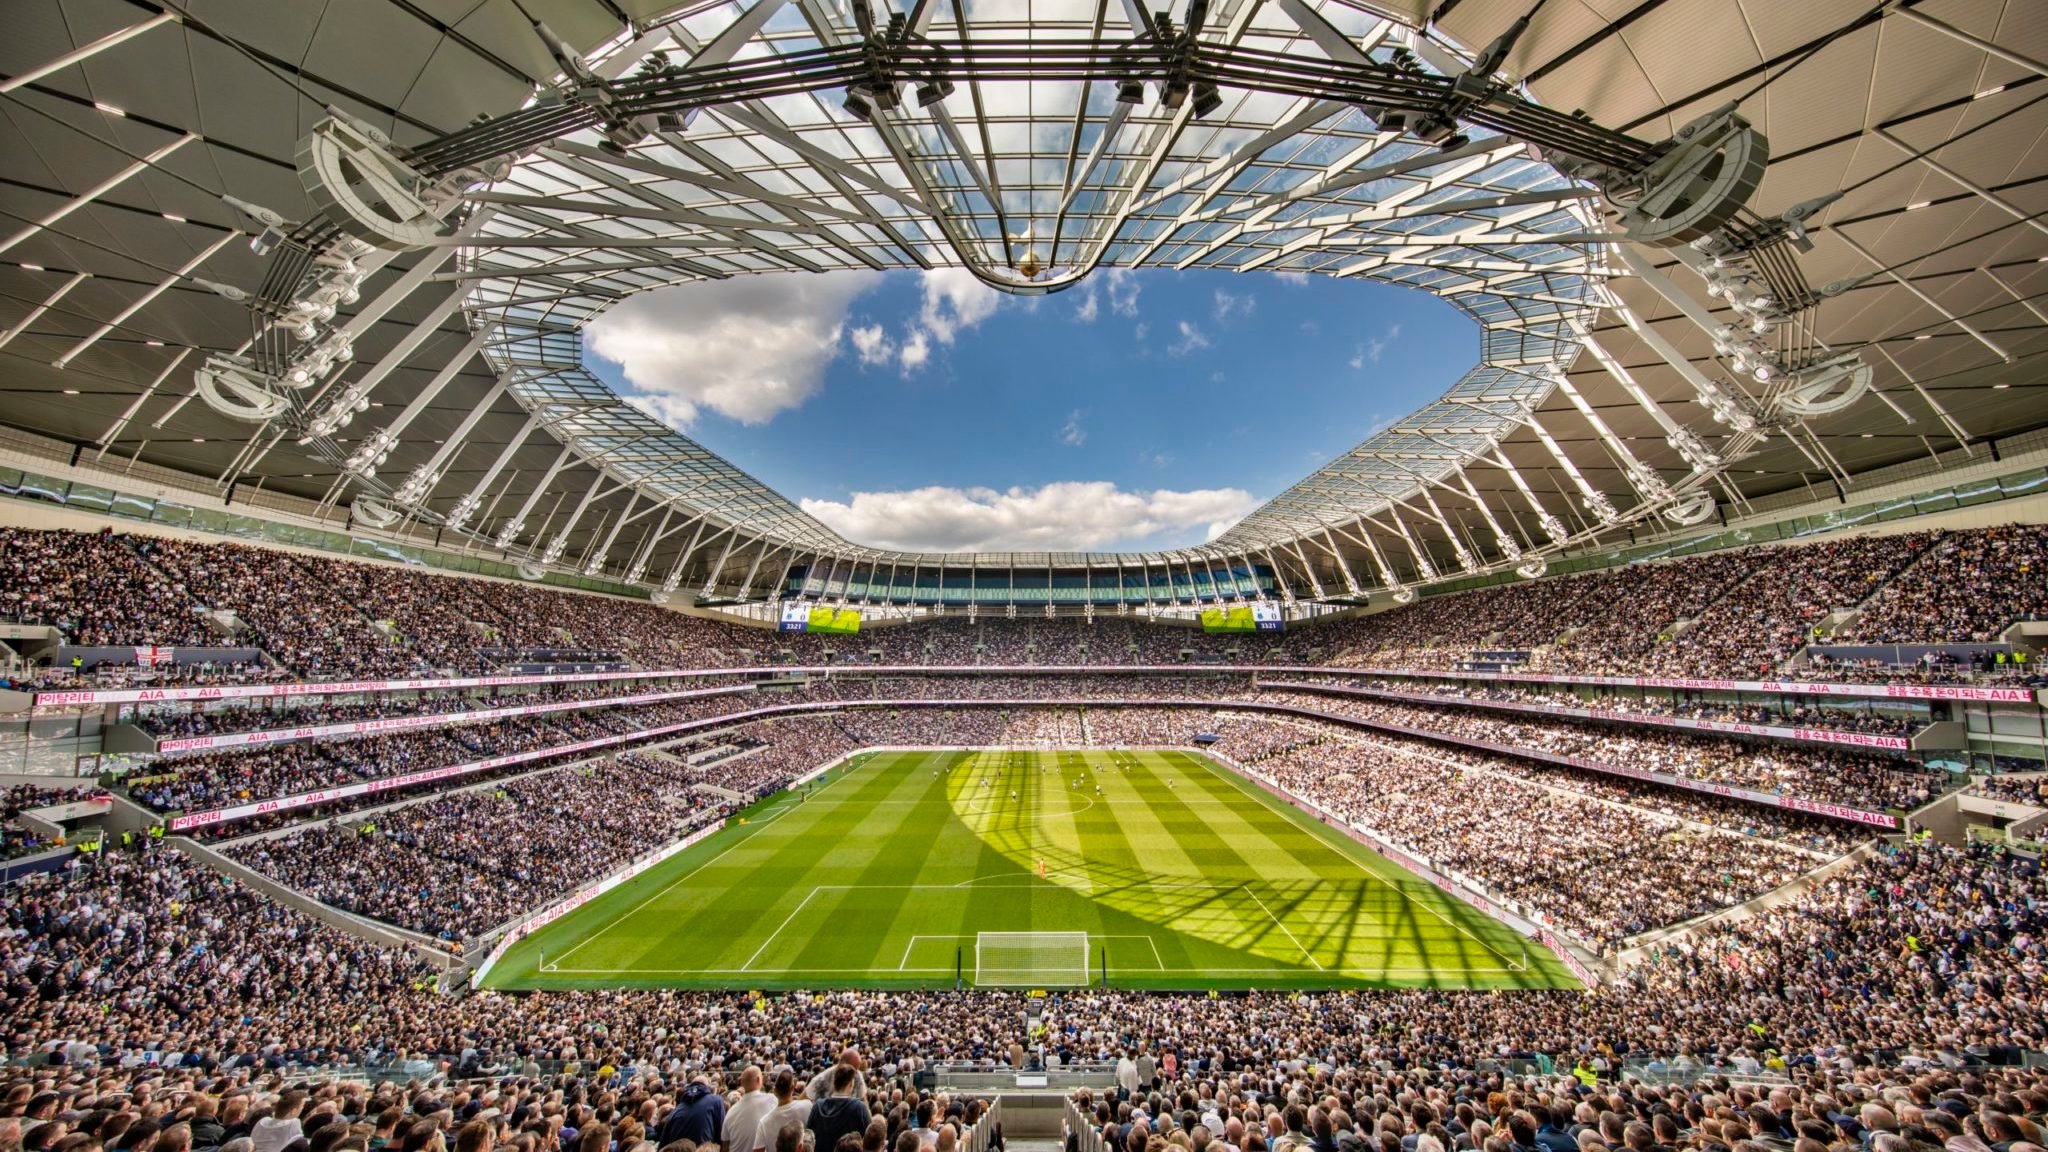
x=746 y=348
x=667 y=409
x=1378 y=345
x=1293 y=279
x=916 y=350
x=954 y=299
x=1123 y=286
x=1139 y=332
x=1090 y=307
x=873 y=345
x=1191 y=340
x=1230 y=304
x=1071 y=433
x=1065 y=515
x=952 y=302
x=1373 y=348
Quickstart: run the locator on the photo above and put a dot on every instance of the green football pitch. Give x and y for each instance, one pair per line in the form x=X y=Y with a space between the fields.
x=1143 y=869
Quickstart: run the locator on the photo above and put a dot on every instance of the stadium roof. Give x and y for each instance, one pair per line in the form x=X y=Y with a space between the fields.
x=1591 y=410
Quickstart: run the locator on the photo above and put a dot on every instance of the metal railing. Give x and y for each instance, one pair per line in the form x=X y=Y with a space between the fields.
x=987 y=1129
x=1080 y=1131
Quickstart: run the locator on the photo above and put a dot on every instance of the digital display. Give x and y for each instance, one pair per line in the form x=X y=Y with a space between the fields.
x=801 y=617
x=843 y=621
x=1261 y=617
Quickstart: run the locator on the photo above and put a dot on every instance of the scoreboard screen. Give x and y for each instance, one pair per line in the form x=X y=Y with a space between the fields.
x=1260 y=617
x=845 y=621
x=800 y=617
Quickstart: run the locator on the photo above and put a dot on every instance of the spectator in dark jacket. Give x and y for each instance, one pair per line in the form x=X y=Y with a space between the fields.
x=838 y=1114
x=699 y=1115
x=207 y=1130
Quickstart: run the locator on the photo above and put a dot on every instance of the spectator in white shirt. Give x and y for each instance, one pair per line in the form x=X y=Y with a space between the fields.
x=743 y=1130
x=791 y=1110
x=271 y=1133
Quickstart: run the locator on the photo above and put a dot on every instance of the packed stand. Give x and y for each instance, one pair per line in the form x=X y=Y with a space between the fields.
x=1770 y=616
x=1926 y=956
x=457 y=865
x=1869 y=782
x=1746 y=611
x=212 y=779
x=94 y=589
x=305 y=623
x=1865 y=717
x=1967 y=588
x=2019 y=789
x=1737 y=614
x=18 y=839
x=1598 y=872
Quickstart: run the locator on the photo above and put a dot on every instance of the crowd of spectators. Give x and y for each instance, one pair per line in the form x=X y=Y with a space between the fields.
x=210 y=779
x=95 y=590
x=2031 y=788
x=1253 y=737
x=1601 y=622
x=1811 y=772
x=1967 y=589
x=1737 y=613
x=1057 y=686
x=306 y=624
x=1824 y=836
x=1759 y=623
x=1872 y=718
x=1819 y=773
x=1922 y=957
x=1064 y=640
x=1597 y=871
x=18 y=839
x=459 y=864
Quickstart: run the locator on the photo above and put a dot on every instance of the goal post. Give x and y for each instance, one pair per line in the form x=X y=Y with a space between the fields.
x=1031 y=959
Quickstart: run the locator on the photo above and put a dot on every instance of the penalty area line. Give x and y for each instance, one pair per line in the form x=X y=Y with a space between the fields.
x=790 y=804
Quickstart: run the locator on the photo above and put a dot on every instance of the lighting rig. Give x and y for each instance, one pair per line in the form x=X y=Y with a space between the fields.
x=1687 y=195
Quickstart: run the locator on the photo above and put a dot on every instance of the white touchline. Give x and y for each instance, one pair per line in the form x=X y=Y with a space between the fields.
x=1261 y=795
x=1258 y=795
x=787 y=807
x=1282 y=927
x=869 y=973
x=778 y=930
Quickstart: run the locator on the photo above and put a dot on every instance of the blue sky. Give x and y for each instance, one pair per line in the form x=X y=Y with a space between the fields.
x=923 y=410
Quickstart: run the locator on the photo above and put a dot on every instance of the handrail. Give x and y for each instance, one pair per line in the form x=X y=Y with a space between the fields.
x=314 y=688
x=1079 y=1132
x=1796 y=733
x=986 y=1129
x=243 y=811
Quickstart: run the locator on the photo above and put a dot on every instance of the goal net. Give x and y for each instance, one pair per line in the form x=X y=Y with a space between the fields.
x=1031 y=959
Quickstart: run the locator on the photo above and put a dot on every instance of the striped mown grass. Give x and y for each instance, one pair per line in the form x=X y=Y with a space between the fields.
x=1182 y=874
